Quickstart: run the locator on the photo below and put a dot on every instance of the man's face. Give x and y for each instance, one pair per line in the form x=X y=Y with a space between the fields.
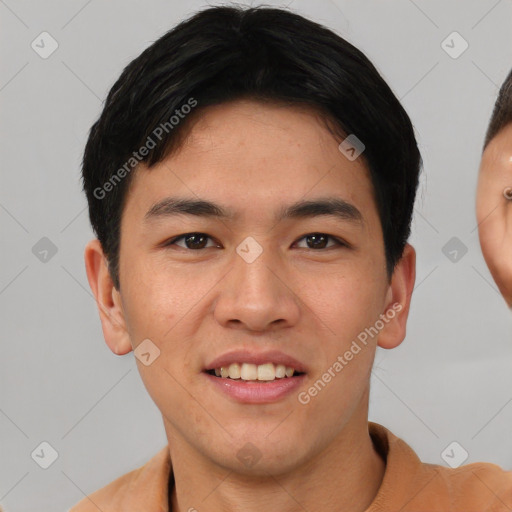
x=303 y=300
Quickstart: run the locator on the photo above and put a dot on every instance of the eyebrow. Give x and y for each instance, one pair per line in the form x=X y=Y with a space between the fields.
x=329 y=206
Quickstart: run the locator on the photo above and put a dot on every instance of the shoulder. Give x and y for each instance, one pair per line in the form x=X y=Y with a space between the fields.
x=423 y=487
x=109 y=496
x=480 y=479
x=145 y=485
x=479 y=486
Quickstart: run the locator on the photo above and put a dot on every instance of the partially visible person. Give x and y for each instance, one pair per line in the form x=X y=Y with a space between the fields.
x=494 y=193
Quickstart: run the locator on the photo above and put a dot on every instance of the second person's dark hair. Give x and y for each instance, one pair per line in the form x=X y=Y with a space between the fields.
x=502 y=112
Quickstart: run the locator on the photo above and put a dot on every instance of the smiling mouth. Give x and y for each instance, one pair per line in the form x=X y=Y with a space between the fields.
x=267 y=372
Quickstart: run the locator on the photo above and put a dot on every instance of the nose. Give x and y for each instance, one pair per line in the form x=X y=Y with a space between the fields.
x=257 y=296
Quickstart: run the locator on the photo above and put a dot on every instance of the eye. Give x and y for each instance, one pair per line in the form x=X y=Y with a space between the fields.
x=192 y=241
x=319 y=241
x=197 y=241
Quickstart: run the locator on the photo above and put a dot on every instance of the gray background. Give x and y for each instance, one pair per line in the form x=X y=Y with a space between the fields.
x=450 y=380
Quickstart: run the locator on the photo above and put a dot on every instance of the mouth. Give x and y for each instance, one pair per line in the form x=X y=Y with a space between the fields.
x=255 y=378
x=249 y=372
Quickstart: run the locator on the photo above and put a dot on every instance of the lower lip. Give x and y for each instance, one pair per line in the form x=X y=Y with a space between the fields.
x=254 y=392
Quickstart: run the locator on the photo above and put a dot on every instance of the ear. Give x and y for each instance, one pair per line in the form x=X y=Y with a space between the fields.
x=398 y=300
x=108 y=299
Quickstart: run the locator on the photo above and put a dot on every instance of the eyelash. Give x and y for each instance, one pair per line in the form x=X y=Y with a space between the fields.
x=338 y=241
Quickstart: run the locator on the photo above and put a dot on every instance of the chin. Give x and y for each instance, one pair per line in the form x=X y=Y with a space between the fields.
x=261 y=464
x=261 y=454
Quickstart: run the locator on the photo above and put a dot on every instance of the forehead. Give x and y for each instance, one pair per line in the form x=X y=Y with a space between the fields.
x=252 y=156
x=245 y=124
x=499 y=148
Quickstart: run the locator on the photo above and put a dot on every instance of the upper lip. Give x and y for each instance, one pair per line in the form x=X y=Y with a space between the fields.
x=247 y=356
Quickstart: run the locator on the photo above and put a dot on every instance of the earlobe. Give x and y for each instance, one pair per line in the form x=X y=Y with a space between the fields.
x=398 y=300
x=107 y=298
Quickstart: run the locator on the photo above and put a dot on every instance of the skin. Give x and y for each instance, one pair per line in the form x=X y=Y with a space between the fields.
x=196 y=304
x=494 y=211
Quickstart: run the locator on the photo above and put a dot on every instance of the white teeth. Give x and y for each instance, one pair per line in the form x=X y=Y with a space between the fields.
x=280 y=371
x=234 y=371
x=266 y=372
x=248 y=371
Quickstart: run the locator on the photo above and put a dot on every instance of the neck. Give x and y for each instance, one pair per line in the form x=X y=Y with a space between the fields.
x=344 y=476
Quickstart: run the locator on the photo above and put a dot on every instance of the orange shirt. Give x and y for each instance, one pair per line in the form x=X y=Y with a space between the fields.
x=408 y=485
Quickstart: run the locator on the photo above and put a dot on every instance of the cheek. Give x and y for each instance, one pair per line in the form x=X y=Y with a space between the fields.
x=346 y=300
x=151 y=310
x=156 y=296
x=159 y=305
x=348 y=345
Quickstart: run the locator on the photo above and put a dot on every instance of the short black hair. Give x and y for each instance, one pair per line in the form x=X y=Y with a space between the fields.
x=225 y=53
x=502 y=113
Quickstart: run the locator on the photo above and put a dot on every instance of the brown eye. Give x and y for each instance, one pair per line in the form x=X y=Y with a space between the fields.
x=319 y=241
x=193 y=241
